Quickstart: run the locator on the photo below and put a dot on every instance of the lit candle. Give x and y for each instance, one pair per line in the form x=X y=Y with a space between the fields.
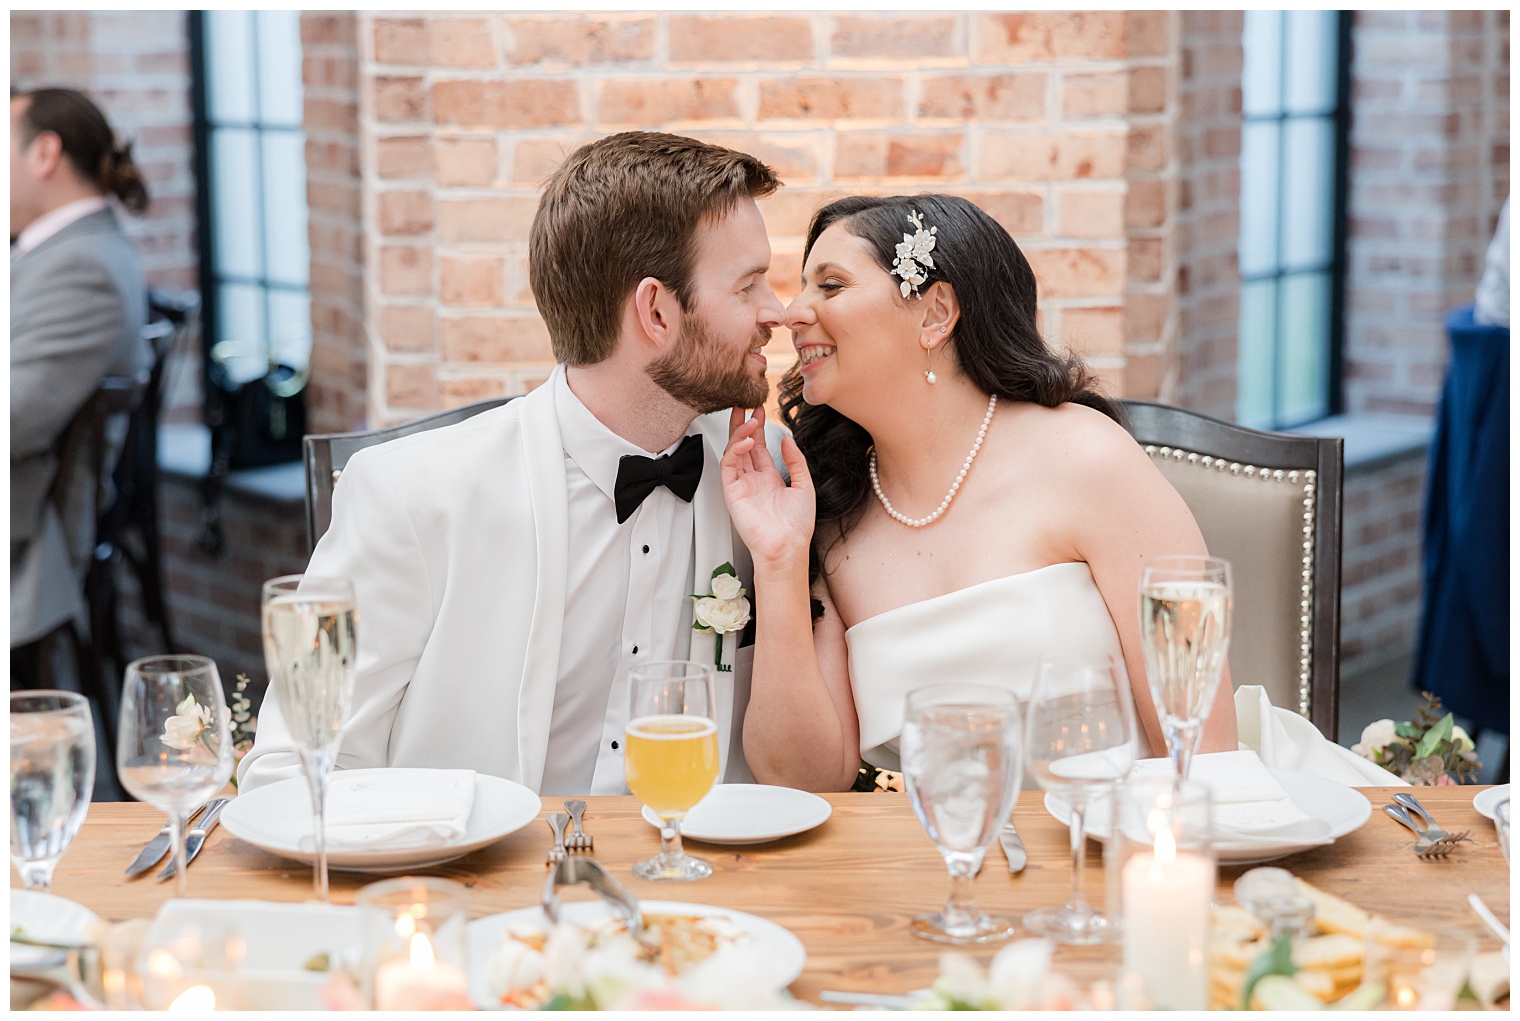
x=196 y=999
x=420 y=981
x=1166 y=923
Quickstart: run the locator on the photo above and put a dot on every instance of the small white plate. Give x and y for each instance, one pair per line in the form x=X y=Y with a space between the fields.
x=46 y=917
x=277 y=817
x=1343 y=808
x=1487 y=802
x=278 y=940
x=750 y=813
x=775 y=945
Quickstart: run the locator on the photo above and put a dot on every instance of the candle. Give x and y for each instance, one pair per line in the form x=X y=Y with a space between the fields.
x=1166 y=896
x=420 y=981
x=196 y=999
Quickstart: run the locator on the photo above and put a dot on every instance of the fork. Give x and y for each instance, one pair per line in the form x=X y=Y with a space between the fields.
x=580 y=840
x=1425 y=846
x=1432 y=831
x=557 y=821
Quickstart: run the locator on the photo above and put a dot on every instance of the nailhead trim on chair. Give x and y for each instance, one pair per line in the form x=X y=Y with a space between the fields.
x=1308 y=477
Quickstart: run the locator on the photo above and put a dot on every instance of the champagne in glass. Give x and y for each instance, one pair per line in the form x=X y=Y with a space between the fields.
x=1080 y=743
x=1185 y=607
x=174 y=748
x=309 y=650
x=52 y=778
x=670 y=756
x=960 y=758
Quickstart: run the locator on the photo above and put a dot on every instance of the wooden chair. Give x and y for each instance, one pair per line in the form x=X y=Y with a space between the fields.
x=326 y=455
x=1270 y=503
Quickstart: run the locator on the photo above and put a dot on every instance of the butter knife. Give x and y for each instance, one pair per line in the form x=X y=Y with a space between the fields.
x=197 y=837
x=1013 y=847
x=156 y=848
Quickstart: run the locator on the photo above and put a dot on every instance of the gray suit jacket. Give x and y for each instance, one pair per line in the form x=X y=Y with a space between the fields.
x=78 y=304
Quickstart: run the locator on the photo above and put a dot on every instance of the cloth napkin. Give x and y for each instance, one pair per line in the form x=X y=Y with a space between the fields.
x=1285 y=740
x=398 y=809
x=1250 y=806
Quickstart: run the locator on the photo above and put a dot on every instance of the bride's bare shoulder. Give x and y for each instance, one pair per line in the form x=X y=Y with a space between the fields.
x=1078 y=436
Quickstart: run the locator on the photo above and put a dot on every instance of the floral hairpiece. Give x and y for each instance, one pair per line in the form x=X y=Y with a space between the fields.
x=913 y=255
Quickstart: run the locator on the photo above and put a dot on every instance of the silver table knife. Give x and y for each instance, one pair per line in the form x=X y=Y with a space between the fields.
x=156 y=848
x=197 y=836
x=1013 y=847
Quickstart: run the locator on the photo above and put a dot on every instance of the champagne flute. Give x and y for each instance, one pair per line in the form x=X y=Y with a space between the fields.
x=960 y=758
x=670 y=757
x=1185 y=607
x=52 y=778
x=309 y=650
x=1080 y=743
x=174 y=749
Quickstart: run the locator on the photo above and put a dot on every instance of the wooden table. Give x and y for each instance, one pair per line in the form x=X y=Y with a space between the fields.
x=848 y=888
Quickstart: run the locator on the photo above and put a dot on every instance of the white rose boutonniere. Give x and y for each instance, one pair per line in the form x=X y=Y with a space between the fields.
x=723 y=610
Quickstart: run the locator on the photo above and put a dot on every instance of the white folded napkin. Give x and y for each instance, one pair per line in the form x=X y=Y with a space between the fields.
x=1285 y=740
x=1250 y=806
x=399 y=809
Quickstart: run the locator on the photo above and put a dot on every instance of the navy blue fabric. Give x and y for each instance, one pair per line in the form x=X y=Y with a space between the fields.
x=1463 y=652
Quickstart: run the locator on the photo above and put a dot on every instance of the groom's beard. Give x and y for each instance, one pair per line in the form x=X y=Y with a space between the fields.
x=700 y=374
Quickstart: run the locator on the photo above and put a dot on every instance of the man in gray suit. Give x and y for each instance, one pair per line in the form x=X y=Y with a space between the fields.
x=78 y=303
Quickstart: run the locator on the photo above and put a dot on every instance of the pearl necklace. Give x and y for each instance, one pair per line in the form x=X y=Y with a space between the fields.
x=954 y=488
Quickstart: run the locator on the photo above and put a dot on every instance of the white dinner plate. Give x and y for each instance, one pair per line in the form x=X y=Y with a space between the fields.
x=278 y=941
x=1343 y=808
x=1487 y=802
x=277 y=817
x=46 y=917
x=750 y=813
x=775 y=945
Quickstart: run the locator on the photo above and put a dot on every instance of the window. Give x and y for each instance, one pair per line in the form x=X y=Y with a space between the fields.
x=1294 y=97
x=251 y=170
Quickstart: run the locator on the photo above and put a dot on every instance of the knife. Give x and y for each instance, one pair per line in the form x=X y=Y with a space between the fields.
x=197 y=838
x=156 y=848
x=1013 y=847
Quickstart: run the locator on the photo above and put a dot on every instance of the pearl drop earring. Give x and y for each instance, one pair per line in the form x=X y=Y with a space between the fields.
x=930 y=376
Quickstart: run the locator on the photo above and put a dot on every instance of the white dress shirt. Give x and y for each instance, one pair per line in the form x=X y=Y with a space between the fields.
x=627 y=600
x=53 y=221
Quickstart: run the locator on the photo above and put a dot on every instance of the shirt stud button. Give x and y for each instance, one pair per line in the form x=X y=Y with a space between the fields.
x=614 y=746
x=646 y=549
x=635 y=650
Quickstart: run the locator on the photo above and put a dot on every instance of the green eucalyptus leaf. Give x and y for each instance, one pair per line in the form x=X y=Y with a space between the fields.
x=1408 y=730
x=1276 y=961
x=1431 y=742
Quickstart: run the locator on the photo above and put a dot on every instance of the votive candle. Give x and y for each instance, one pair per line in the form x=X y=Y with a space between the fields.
x=1166 y=898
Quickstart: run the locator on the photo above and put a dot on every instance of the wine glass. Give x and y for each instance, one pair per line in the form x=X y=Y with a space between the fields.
x=1185 y=606
x=670 y=757
x=1080 y=742
x=960 y=759
x=309 y=650
x=52 y=778
x=174 y=749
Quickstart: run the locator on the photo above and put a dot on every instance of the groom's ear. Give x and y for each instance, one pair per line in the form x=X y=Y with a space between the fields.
x=939 y=308
x=657 y=312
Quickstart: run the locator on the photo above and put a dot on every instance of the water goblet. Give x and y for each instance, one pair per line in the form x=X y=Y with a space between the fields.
x=174 y=749
x=1185 y=607
x=309 y=649
x=1080 y=742
x=670 y=756
x=52 y=778
x=960 y=759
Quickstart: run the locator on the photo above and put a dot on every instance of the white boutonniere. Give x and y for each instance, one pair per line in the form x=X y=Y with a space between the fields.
x=723 y=610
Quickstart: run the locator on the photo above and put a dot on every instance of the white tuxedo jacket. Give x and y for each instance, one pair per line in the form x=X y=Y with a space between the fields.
x=456 y=543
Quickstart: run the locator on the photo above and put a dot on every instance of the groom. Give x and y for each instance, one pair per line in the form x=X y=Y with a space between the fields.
x=512 y=569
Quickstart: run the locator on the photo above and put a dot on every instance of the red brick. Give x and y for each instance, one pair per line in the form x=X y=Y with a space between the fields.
x=472 y=280
x=1103 y=94
x=1041 y=36
x=319 y=28
x=877 y=154
x=1077 y=272
x=997 y=97
x=792 y=157
x=408 y=328
x=470 y=162
x=1145 y=316
x=534 y=159
x=1146 y=147
x=1091 y=214
x=411 y=386
x=406 y=269
x=788 y=211
x=708 y=39
x=1093 y=331
x=1045 y=156
x=405 y=212
x=1021 y=213
x=1147 y=33
x=329 y=114
x=496 y=220
x=407 y=156
x=1144 y=259
x=652 y=102
x=819 y=97
x=461 y=42
x=458 y=392
x=1143 y=376
x=603 y=39
x=401 y=41
x=399 y=99
x=496 y=339
x=905 y=37
x=506 y=104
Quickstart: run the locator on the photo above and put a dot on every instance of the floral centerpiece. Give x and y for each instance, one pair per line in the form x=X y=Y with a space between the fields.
x=1428 y=751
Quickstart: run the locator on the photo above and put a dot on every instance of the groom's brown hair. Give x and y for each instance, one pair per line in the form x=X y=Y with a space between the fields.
x=620 y=209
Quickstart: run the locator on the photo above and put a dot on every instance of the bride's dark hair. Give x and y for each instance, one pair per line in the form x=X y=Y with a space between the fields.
x=995 y=341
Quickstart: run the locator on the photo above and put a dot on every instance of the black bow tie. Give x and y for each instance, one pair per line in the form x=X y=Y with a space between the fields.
x=637 y=476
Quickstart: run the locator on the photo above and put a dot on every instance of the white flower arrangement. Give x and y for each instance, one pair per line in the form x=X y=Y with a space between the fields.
x=1021 y=977
x=188 y=724
x=913 y=254
x=722 y=610
x=1429 y=750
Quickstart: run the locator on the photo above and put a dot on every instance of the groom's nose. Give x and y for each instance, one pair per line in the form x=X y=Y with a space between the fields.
x=772 y=312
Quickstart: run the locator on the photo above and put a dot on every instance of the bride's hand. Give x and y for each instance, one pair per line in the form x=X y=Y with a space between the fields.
x=774 y=520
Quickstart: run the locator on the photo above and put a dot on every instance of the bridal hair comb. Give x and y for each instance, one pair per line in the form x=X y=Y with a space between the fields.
x=913 y=255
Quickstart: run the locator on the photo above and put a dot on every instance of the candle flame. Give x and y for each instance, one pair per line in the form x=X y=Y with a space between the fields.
x=405 y=925
x=1166 y=845
x=421 y=951
x=196 y=998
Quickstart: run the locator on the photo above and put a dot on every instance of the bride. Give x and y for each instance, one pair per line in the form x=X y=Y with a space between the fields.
x=962 y=498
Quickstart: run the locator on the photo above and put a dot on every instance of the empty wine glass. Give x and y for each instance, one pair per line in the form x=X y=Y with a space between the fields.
x=960 y=759
x=174 y=749
x=309 y=650
x=1080 y=742
x=670 y=756
x=1185 y=606
x=52 y=777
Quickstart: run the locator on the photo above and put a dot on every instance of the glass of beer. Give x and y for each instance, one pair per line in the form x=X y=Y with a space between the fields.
x=670 y=757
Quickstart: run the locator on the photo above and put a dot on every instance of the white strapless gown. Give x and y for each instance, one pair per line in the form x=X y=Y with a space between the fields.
x=992 y=633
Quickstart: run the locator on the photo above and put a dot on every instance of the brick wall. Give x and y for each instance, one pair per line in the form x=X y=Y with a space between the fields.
x=1380 y=561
